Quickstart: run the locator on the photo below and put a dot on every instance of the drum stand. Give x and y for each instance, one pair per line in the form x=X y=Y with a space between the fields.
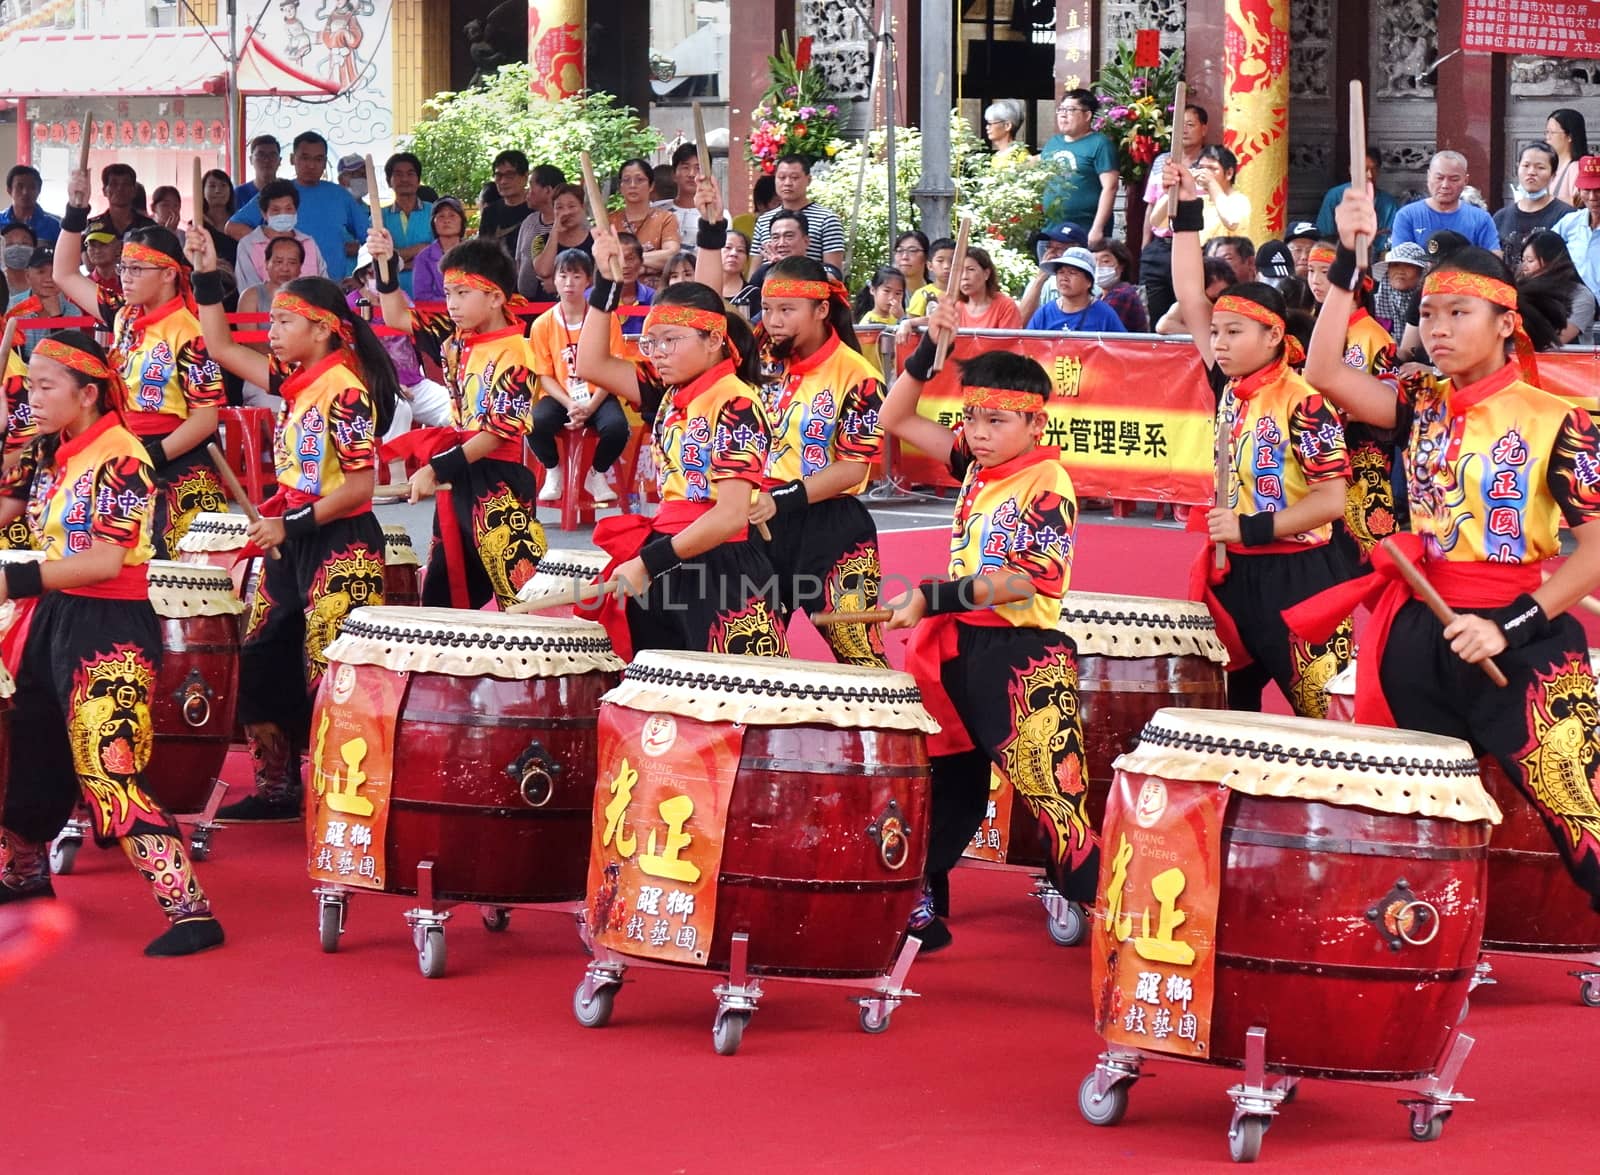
x=64 y=849
x=1103 y=1096
x=738 y=997
x=1066 y=921
x=426 y=919
x=1587 y=974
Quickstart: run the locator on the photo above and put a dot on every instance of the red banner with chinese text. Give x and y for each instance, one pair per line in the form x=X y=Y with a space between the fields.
x=352 y=769
x=992 y=841
x=660 y=809
x=1550 y=28
x=1133 y=419
x=1155 y=922
x=1572 y=375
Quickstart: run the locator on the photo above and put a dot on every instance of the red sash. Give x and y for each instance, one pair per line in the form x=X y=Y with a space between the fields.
x=416 y=448
x=932 y=643
x=622 y=537
x=1204 y=574
x=15 y=638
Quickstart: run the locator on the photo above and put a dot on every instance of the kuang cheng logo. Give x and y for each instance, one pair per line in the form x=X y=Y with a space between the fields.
x=344 y=683
x=659 y=735
x=1151 y=804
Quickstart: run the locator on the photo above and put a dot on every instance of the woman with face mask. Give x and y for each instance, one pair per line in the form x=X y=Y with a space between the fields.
x=279 y=202
x=1536 y=205
x=1112 y=261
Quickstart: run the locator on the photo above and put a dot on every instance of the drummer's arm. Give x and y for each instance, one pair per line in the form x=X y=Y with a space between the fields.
x=396 y=307
x=976 y=592
x=1355 y=393
x=102 y=561
x=10 y=510
x=899 y=414
x=729 y=514
x=426 y=481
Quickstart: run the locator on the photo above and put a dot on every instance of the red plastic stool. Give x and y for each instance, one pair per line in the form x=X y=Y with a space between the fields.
x=577 y=507
x=247 y=445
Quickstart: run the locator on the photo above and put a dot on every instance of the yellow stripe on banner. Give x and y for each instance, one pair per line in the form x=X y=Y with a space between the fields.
x=1111 y=436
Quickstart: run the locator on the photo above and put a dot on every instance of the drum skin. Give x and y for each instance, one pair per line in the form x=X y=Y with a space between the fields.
x=192 y=708
x=1297 y=955
x=1116 y=697
x=1534 y=905
x=801 y=874
x=462 y=748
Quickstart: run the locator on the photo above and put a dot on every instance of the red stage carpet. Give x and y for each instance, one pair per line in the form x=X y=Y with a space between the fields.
x=271 y=1056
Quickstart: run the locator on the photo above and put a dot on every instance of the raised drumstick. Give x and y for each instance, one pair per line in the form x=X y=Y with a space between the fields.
x=952 y=288
x=1358 y=161
x=83 y=140
x=375 y=209
x=701 y=149
x=597 y=206
x=867 y=616
x=225 y=472
x=1430 y=596
x=1180 y=99
x=197 y=193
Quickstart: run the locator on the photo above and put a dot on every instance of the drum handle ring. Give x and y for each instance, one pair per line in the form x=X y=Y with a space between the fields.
x=893 y=837
x=1425 y=912
x=194 y=700
x=535 y=772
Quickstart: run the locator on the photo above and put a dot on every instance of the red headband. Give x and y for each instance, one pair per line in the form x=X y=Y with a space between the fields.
x=294 y=304
x=1494 y=291
x=84 y=363
x=794 y=287
x=1322 y=255
x=473 y=281
x=710 y=321
x=145 y=255
x=1001 y=399
x=1256 y=312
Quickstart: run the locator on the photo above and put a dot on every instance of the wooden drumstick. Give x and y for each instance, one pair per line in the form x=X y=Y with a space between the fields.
x=83 y=140
x=197 y=193
x=866 y=616
x=1224 y=475
x=572 y=594
x=225 y=472
x=381 y=269
x=597 y=207
x=952 y=288
x=1180 y=99
x=701 y=149
x=8 y=342
x=401 y=497
x=1358 y=161
x=1426 y=592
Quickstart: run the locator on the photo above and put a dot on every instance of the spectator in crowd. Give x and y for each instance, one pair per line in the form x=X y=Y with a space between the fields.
x=1075 y=307
x=882 y=301
x=501 y=221
x=1274 y=264
x=102 y=253
x=655 y=228
x=633 y=292
x=1049 y=245
x=1226 y=209
x=664 y=186
x=1399 y=277
x=448 y=221
x=910 y=257
x=283 y=260
x=1545 y=257
x=41 y=297
x=1112 y=261
x=941 y=255
x=351 y=173
x=278 y=206
x=19 y=242
x=1002 y=123
x=217 y=191
x=824 y=231
x=422 y=402
x=1444 y=208
x=22 y=187
x=535 y=227
x=570 y=231
x=141 y=203
x=984 y=305
x=265 y=156
x=408 y=219
x=1536 y=205
x=1218 y=276
x=1155 y=256
x=1082 y=188
x=1387 y=207
x=118 y=182
x=1566 y=131
x=763 y=198
x=686 y=174
x=1580 y=229
x=1300 y=238
x=328 y=213
x=166 y=207
x=1238 y=252
x=735 y=262
x=679 y=269
x=788 y=235
x=488 y=195
x=1441 y=245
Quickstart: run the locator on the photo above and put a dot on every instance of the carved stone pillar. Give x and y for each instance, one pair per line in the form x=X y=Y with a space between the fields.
x=557 y=30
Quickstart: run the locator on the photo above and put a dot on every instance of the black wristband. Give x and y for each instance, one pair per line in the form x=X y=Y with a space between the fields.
x=450 y=466
x=156 y=450
x=1344 y=273
x=658 y=556
x=605 y=295
x=207 y=287
x=1191 y=217
x=946 y=596
x=24 y=580
x=301 y=522
x=1255 y=530
x=711 y=236
x=919 y=365
x=1522 y=621
x=790 y=498
x=75 y=219
x=387 y=284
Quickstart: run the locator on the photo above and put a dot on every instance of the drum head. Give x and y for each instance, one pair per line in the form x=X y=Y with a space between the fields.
x=1403 y=772
x=772 y=691
x=397 y=549
x=215 y=532
x=461 y=643
x=1136 y=627
x=181 y=590
x=559 y=570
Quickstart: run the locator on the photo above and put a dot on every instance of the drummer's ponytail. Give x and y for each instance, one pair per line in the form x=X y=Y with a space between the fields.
x=375 y=367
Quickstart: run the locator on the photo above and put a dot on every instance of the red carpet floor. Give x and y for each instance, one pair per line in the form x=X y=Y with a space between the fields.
x=271 y=1056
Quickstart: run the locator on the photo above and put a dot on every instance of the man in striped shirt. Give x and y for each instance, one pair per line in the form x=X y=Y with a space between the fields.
x=793 y=178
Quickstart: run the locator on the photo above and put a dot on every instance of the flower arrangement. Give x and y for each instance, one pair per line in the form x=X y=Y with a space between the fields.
x=1136 y=109
x=797 y=114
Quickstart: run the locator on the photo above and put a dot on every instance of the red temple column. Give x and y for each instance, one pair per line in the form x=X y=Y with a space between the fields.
x=556 y=33
x=1255 y=113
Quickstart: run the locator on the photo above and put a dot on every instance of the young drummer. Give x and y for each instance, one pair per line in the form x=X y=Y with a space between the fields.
x=338 y=388
x=485 y=524
x=992 y=663
x=1287 y=481
x=88 y=660
x=694 y=579
x=174 y=387
x=1494 y=466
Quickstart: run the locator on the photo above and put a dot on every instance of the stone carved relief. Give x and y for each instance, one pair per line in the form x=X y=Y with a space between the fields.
x=1407 y=43
x=1552 y=77
x=841 y=49
x=832 y=20
x=1310 y=49
x=1120 y=19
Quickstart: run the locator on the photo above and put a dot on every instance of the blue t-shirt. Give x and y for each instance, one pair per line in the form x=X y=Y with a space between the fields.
x=408 y=229
x=1072 y=193
x=46 y=227
x=1417 y=221
x=1385 y=205
x=329 y=215
x=1095 y=318
x=245 y=193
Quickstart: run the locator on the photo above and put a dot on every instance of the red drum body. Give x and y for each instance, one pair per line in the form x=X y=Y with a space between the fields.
x=558 y=575
x=1534 y=905
x=197 y=689
x=401 y=568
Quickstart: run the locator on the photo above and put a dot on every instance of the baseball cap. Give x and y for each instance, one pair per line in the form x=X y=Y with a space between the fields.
x=99 y=236
x=349 y=164
x=1444 y=242
x=1273 y=259
x=452 y=203
x=1405 y=253
x=1068 y=234
x=1302 y=230
x=1077 y=257
x=1588 y=173
x=42 y=255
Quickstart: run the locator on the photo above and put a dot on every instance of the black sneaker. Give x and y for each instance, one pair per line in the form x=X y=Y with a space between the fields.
x=934 y=935
x=258 y=809
x=37 y=889
x=187 y=936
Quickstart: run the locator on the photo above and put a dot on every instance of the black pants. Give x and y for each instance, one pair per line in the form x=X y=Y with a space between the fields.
x=1016 y=691
x=724 y=601
x=826 y=559
x=1155 y=275
x=550 y=417
x=501 y=540
x=186 y=486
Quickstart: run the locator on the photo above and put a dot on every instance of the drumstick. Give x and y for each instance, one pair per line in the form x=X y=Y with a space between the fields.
x=574 y=593
x=197 y=193
x=400 y=498
x=1358 y=161
x=83 y=141
x=375 y=209
x=8 y=341
x=597 y=207
x=951 y=290
x=701 y=148
x=1224 y=474
x=225 y=472
x=1180 y=99
x=867 y=616
x=1426 y=592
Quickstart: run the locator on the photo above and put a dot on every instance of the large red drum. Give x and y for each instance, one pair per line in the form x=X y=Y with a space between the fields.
x=829 y=751
x=1324 y=824
x=197 y=690
x=559 y=574
x=216 y=540
x=401 y=568
x=494 y=747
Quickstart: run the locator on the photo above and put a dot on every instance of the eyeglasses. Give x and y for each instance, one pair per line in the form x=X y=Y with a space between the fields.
x=907 y=250
x=130 y=270
x=1074 y=110
x=660 y=348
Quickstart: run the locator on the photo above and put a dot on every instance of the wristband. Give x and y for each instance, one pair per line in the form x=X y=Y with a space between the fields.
x=790 y=498
x=1522 y=621
x=25 y=579
x=157 y=451
x=658 y=556
x=946 y=596
x=711 y=236
x=207 y=287
x=919 y=366
x=605 y=295
x=391 y=283
x=450 y=466
x=299 y=523
x=1191 y=217
x=1344 y=274
x=75 y=219
x=1255 y=530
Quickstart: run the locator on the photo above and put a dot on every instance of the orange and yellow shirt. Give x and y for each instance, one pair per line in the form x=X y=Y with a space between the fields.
x=490 y=376
x=711 y=429
x=1495 y=467
x=95 y=489
x=1016 y=518
x=825 y=410
x=328 y=428
x=554 y=346
x=163 y=358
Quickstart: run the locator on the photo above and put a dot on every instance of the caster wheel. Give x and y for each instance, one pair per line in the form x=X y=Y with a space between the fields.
x=63 y=856
x=496 y=919
x=728 y=1031
x=1427 y=1130
x=1068 y=931
x=596 y=1011
x=1244 y=1140
x=874 y=1019
x=330 y=925
x=430 y=958
x=199 y=849
x=1104 y=1109
x=1589 y=993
